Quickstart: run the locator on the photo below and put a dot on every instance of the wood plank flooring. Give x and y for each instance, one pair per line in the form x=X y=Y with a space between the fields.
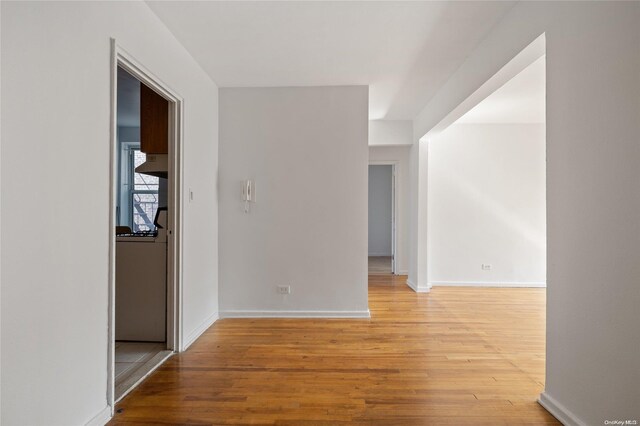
x=379 y=265
x=456 y=356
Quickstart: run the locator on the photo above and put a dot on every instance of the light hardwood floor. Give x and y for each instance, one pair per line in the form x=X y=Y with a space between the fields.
x=457 y=356
x=379 y=265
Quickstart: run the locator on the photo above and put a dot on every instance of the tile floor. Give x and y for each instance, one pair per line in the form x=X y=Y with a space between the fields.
x=131 y=356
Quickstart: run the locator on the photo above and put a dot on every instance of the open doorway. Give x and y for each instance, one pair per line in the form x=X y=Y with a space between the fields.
x=382 y=211
x=487 y=190
x=144 y=281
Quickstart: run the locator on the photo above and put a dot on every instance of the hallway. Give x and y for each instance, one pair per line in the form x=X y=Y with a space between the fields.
x=453 y=356
x=380 y=265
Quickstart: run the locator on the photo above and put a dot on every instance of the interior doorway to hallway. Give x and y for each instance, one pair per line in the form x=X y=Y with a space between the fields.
x=382 y=226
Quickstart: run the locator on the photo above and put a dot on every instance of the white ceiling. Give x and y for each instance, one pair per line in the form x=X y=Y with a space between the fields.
x=520 y=100
x=403 y=50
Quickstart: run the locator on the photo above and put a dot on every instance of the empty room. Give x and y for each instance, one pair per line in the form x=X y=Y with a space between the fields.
x=319 y=213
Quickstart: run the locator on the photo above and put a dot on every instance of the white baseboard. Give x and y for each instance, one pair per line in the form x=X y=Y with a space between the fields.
x=101 y=418
x=193 y=336
x=379 y=254
x=403 y=272
x=418 y=289
x=486 y=284
x=295 y=314
x=559 y=411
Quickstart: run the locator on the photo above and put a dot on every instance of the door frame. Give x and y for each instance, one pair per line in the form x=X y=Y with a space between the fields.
x=394 y=210
x=121 y=58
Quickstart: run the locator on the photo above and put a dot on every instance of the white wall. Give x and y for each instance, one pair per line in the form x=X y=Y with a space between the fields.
x=380 y=209
x=390 y=132
x=399 y=155
x=418 y=208
x=593 y=201
x=55 y=198
x=487 y=205
x=306 y=149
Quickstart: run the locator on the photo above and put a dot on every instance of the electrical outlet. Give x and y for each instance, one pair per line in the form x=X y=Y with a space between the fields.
x=284 y=289
x=486 y=266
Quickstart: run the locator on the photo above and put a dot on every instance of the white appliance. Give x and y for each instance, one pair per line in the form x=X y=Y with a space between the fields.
x=155 y=165
x=141 y=284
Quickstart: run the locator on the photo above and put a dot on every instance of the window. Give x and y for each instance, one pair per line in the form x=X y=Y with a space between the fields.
x=143 y=195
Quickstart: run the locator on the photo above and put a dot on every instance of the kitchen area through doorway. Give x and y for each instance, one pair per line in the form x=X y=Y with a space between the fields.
x=142 y=211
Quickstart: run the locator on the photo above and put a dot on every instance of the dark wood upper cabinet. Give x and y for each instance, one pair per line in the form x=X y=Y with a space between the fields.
x=154 y=122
